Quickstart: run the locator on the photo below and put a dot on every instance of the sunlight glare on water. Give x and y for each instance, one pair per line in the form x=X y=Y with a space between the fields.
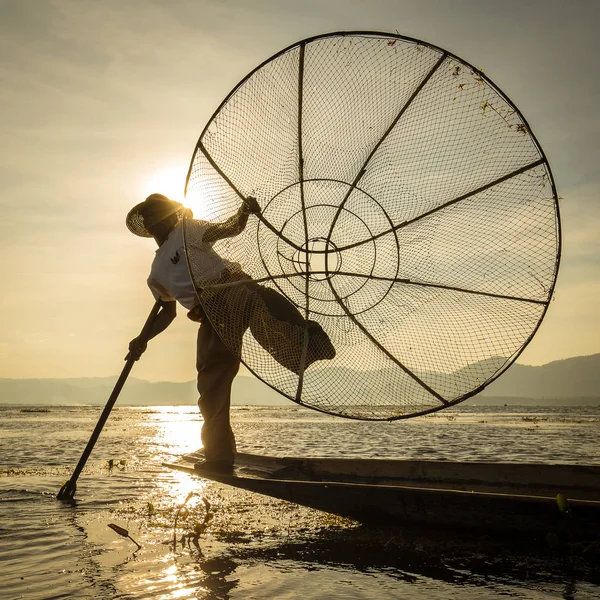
x=183 y=593
x=179 y=428
x=182 y=485
x=179 y=431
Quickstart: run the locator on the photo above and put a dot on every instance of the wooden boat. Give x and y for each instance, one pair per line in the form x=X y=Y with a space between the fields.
x=478 y=496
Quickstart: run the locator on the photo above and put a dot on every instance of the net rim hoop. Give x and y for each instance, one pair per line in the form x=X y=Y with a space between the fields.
x=545 y=164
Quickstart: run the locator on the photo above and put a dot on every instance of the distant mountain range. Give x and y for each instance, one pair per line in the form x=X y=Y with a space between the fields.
x=570 y=379
x=574 y=381
x=136 y=392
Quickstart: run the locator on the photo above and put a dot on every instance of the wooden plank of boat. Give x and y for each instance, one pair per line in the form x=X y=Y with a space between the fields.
x=476 y=495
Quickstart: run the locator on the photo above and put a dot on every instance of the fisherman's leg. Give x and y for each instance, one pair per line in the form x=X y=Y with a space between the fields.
x=217 y=367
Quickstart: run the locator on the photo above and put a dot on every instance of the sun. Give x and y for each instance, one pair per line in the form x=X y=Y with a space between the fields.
x=169 y=181
x=196 y=200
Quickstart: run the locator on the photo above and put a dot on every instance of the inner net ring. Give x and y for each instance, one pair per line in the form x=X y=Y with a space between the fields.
x=409 y=222
x=326 y=262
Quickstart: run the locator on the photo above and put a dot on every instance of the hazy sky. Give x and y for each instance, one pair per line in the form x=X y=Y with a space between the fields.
x=102 y=103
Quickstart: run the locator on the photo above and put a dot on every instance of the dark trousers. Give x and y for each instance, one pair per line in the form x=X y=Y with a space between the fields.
x=217 y=363
x=217 y=367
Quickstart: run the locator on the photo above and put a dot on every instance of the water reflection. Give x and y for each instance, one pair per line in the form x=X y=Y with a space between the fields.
x=217 y=571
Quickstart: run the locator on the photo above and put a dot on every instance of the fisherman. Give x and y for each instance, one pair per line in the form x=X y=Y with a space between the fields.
x=261 y=309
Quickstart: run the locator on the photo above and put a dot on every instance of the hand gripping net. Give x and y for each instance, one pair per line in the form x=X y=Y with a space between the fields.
x=406 y=208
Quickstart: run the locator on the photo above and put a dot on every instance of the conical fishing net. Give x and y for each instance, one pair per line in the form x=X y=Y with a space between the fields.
x=408 y=213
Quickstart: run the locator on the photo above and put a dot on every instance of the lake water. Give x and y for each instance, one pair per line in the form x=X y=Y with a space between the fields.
x=254 y=546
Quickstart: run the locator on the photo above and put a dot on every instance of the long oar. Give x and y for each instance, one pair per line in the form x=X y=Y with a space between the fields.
x=67 y=491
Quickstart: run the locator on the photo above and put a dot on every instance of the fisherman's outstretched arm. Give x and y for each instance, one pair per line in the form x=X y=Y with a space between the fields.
x=164 y=318
x=234 y=225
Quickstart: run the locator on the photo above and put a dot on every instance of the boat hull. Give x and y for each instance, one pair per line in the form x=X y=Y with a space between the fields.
x=439 y=494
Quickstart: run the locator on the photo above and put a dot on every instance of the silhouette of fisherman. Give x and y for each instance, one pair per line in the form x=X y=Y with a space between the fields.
x=236 y=304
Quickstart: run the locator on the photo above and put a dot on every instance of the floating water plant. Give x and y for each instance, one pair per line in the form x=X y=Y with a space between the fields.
x=112 y=463
x=198 y=529
x=123 y=532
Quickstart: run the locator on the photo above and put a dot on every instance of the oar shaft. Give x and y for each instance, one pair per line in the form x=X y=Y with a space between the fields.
x=103 y=418
x=111 y=401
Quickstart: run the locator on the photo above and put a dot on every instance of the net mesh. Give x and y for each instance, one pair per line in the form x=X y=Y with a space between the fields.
x=409 y=238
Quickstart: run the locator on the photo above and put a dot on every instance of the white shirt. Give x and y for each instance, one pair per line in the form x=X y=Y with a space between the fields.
x=170 y=278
